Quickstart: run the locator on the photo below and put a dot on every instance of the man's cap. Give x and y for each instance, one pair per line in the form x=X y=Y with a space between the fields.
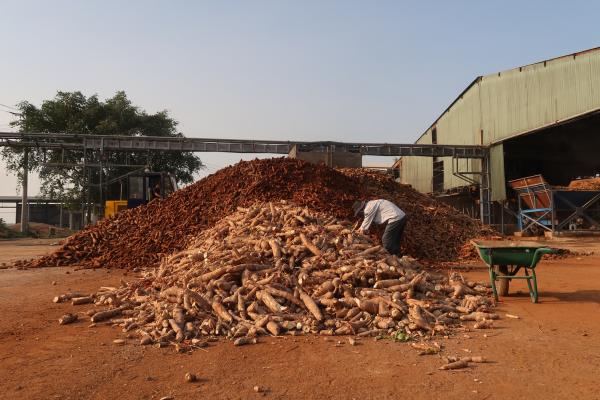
x=358 y=206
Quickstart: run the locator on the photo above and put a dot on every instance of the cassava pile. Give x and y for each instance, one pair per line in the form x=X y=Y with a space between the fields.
x=585 y=184
x=435 y=231
x=280 y=269
x=140 y=237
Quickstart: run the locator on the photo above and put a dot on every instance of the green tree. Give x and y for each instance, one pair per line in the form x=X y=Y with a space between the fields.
x=60 y=171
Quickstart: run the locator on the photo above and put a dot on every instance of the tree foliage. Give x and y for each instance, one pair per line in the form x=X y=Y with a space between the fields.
x=72 y=112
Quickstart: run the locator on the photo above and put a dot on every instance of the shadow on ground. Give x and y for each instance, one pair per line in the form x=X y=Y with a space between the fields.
x=579 y=296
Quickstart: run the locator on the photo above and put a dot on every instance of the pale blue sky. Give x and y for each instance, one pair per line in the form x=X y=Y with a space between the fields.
x=305 y=70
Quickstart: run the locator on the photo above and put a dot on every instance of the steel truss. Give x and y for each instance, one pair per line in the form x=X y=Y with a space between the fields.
x=103 y=143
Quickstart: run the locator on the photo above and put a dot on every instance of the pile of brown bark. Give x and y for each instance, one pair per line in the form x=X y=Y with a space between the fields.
x=139 y=238
x=276 y=268
x=585 y=184
x=435 y=231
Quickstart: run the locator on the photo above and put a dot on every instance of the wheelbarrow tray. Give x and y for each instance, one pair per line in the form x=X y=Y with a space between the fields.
x=500 y=255
x=506 y=252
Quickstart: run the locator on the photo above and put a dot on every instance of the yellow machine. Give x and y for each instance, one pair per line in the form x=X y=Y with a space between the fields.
x=113 y=207
x=141 y=187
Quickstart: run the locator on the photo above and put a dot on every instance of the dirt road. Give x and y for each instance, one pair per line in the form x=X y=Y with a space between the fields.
x=551 y=352
x=18 y=249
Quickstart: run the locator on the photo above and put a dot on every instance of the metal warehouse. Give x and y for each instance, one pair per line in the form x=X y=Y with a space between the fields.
x=541 y=118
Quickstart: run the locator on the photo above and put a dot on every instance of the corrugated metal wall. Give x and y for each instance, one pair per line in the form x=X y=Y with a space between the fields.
x=464 y=116
x=418 y=171
x=527 y=98
x=499 y=106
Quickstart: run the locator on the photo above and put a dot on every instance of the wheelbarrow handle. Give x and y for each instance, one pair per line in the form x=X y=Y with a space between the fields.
x=539 y=253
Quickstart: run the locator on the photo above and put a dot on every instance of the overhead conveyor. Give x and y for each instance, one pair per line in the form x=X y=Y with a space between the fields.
x=158 y=143
x=117 y=143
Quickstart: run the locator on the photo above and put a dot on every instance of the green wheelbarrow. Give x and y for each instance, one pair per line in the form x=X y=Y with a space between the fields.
x=506 y=258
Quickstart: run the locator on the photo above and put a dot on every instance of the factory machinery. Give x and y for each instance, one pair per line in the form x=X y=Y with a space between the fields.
x=555 y=209
x=137 y=188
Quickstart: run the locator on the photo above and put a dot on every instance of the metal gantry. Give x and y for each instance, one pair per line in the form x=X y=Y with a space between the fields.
x=158 y=143
x=119 y=143
x=555 y=209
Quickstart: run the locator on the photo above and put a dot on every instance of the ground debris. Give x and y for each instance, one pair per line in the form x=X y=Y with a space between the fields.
x=67 y=319
x=455 y=362
x=427 y=348
x=189 y=377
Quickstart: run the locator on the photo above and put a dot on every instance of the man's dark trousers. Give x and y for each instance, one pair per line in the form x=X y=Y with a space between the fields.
x=393 y=235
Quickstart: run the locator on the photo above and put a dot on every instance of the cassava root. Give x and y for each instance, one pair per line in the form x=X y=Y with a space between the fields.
x=279 y=269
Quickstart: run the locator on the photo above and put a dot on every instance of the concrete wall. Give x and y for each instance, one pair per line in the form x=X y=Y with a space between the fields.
x=50 y=214
x=42 y=213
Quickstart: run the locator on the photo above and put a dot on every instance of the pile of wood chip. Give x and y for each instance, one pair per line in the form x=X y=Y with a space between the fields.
x=139 y=238
x=585 y=184
x=276 y=268
x=435 y=231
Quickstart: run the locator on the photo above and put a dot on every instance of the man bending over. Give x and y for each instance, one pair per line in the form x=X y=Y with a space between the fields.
x=383 y=212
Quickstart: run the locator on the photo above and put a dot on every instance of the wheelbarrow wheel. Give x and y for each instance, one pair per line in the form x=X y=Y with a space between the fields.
x=503 y=283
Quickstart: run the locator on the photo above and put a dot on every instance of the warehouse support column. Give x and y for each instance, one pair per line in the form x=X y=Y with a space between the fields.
x=484 y=191
x=24 y=201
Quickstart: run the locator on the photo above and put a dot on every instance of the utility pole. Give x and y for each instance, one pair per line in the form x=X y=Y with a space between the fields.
x=24 y=202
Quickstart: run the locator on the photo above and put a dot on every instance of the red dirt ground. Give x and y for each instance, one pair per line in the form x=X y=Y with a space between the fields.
x=552 y=352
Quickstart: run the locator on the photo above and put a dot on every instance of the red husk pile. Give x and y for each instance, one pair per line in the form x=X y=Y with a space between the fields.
x=585 y=184
x=139 y=237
